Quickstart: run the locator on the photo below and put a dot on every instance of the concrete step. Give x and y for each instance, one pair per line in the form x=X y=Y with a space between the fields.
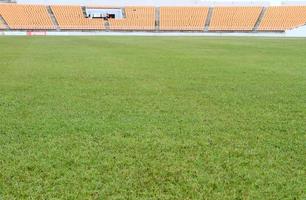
x=84 y=11
x=6 y=26
x=106 y=25
x=208 y=19
x=261 y=16
x=157 y=18
x=123 y=13
x=54 y=20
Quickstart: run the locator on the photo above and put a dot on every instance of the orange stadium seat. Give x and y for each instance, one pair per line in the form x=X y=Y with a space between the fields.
x=183 y=18
x=26 y=16
x=137 y=18
x=234 y=18
x=72 y=17
x=281 y=18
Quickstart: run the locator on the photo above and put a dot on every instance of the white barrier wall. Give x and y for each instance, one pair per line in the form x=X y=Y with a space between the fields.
x=298 y=32
x=21 y=33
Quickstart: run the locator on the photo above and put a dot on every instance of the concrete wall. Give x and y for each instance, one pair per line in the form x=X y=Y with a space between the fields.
x=45 y=33
x=298 y=32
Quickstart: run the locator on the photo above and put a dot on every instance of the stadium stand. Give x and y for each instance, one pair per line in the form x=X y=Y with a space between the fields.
x=183 y=18
x=137 y=18
x=281 y=18
x=64 y=17
x=26 y=16
x=234 y=18
x=72 y=18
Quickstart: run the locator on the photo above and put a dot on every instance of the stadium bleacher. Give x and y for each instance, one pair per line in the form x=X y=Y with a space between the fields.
x=281 y=18
x=226 y=18
x=183 y=18
x=26 y=16
x=72 y=18
x=234 y=18
x=137 y=18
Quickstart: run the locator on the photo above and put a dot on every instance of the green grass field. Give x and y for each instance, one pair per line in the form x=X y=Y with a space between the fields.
x=152 y=118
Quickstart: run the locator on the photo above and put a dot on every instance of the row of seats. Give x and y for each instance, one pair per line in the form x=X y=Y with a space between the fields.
x=143 y=18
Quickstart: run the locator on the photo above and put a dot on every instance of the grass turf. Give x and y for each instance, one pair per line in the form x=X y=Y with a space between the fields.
x=152 y=118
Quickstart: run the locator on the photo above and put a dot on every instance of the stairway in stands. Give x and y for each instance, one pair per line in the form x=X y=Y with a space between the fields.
x=84 y=11
x=5 y=25
x=54 y=21
x=262 y=14
x=157 y=18
x=106 y=25
x=123 y=13
x=208 y=19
